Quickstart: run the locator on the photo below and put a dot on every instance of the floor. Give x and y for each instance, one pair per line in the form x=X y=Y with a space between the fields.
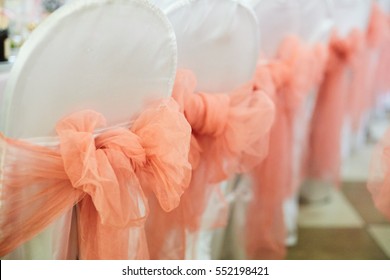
x=346 y=226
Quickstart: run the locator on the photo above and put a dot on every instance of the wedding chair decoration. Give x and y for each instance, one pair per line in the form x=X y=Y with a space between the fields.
x=314 y=35
x=288 y=74
x=339 y=93
x=88 y=121
x=379 y=39
x=217 y=51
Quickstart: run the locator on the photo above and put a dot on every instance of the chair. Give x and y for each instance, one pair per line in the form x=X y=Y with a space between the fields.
x=109 y=56
x=218 y=41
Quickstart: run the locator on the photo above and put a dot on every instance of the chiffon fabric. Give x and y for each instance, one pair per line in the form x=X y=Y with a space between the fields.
x=367 y=78
x=339 y=87
x=109 y=171
x=379 y=176
x=288 y=80
x=378 y=38
x=377 y=33
x=229 y=135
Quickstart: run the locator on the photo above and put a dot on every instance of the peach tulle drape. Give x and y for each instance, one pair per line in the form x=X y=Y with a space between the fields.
x=229 y=135
x=379 y=176
x=110 y=174
x=288 y=80
x=341 y=80
x=378 y=32
x=378 y=38
x=367 y=79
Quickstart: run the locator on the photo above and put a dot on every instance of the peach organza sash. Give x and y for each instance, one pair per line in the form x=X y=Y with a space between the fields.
x=379 y=176
x=378 y=38
x=288 y=80
x=111 y=173
x=230 y=130
x=331 y=108
x=229 y=135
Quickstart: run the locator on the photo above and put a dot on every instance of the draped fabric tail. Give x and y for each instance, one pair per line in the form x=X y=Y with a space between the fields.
x=35 y=192
x=265 y=230
x=378 y=40
x=330 y=111
x=166 y=232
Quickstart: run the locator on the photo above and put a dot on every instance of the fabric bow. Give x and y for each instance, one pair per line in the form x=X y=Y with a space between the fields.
x=231 y=130
x=111 y=174
x=229 y=135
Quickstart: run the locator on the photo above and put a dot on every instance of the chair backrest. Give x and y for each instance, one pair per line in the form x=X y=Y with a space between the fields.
x=218 y=40
x=351 y=14
x=104 y=55
x=384 y=5
x=164 y=4
x=277 y=19
x=318 y=20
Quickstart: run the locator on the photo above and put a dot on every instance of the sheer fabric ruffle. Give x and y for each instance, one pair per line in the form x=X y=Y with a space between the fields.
x=288 y=80
x=378 y=37
x=379 y=175
x=229 y=135
x=110 y=175
x=331 y=108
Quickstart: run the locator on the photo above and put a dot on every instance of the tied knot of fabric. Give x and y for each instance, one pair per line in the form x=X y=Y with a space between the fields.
x=112 y=166
x=291 y=67
x=207 y=113
x=290 y=73
x=230 y=131
x=91 y=168
x=281 y=75
x=345 y=49
x=288 y=93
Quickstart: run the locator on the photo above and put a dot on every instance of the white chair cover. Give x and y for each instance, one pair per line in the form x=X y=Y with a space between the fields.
x=164 y=4
x=277 y=19
x=350 y=14
x=104 y=55
x=219 y=41
x=385 y=5
x=318 y=20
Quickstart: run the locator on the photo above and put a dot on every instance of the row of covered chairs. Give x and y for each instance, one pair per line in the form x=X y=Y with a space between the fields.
x=126 y=123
